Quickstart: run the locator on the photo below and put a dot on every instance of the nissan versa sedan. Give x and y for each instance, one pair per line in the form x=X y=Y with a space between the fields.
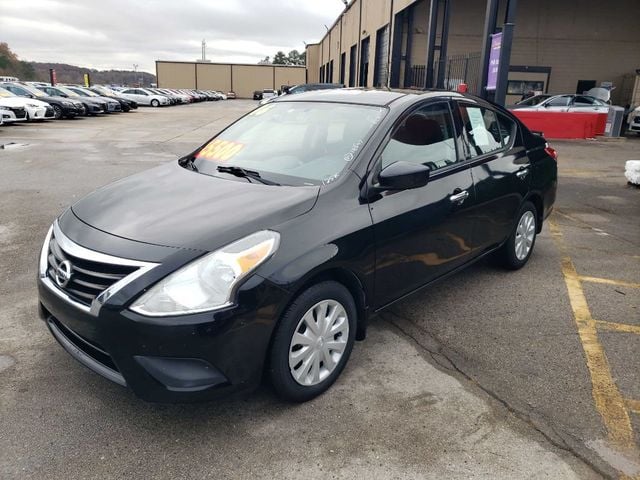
x=265 y=251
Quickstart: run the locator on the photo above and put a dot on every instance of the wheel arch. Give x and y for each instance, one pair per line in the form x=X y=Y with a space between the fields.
x=536 y=199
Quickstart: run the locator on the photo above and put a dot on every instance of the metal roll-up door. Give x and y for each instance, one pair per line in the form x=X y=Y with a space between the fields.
x=382 y=57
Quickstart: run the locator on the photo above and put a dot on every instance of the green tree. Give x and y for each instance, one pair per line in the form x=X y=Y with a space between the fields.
x=280 y=59
x=296 y=58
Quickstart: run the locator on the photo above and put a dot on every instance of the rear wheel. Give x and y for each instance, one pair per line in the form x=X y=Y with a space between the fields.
x=57 y=112
x=516 y=251
x=155 y=103
x=313 y=342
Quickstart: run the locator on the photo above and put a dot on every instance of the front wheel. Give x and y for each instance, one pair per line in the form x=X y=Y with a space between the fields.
x=155 y=103
x=57 y=112
x=313 y=341
x=516 y=251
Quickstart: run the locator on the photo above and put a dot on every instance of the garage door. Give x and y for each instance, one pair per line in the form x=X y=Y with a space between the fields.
x=382 y=57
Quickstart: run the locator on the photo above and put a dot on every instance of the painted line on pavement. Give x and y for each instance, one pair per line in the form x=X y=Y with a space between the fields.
x=618 y=327
x=607 y=397
x=607 y=281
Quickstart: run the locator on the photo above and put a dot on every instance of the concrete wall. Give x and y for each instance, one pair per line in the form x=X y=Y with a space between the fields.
x=176 y=74
x=587 y=40
x=313 y=58
x=242 y=79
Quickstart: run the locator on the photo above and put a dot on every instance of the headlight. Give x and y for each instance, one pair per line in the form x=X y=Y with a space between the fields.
x=208 y=283
x=68 y=104
x=32 y=105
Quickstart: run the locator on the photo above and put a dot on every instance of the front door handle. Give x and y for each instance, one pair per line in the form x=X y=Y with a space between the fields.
x=459 y=198
x=522 y=173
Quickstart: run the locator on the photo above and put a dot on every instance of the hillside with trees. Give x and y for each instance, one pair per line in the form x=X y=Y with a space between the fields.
x=11 y=65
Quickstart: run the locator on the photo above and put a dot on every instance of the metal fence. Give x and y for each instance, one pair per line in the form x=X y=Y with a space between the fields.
x=458 y=69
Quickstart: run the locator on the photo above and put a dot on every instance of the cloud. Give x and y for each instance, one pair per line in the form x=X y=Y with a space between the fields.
x=118 y=33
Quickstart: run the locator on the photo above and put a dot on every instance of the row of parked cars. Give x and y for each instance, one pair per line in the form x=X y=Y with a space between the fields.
x=36 y=101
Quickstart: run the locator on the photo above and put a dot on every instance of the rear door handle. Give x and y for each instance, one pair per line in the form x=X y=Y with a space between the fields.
x=459 y=198
x=522 y=173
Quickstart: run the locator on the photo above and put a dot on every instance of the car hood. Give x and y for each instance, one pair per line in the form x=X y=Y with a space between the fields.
x=175 y=207
x=14 y=101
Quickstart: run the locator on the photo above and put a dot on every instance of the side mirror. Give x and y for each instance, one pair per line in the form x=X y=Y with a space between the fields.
x=403 y=176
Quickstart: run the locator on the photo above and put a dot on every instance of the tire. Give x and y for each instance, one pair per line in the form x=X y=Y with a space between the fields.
x=155 y=103
x=288 y=358
x=517 y=250
x=57 y=112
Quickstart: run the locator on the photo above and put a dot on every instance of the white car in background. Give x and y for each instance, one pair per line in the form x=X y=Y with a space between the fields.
x=25 y=109
x=35 y=109
x=145 y=97
x=634 y=120
x=567 y=103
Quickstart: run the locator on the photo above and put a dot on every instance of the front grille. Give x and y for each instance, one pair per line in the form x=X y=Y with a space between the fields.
x=88 y=278
x=49 y=112
x=19 y=112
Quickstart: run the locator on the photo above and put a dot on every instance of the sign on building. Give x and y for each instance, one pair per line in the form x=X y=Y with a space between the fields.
x=494 y=61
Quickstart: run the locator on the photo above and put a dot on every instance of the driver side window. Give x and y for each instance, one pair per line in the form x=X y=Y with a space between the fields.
x=426 y=136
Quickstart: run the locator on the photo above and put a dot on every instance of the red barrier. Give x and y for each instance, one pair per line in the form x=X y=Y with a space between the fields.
x=564 y=124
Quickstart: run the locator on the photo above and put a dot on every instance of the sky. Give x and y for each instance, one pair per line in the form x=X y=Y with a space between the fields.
x=116 y=34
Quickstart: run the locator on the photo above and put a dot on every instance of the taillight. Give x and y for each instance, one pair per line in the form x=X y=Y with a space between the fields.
x=551 y=152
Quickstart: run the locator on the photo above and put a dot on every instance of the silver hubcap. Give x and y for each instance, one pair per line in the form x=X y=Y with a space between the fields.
x=525 y=234
x=318 y=342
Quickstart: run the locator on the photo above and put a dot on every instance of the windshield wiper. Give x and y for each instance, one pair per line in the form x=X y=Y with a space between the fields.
x=248 y=174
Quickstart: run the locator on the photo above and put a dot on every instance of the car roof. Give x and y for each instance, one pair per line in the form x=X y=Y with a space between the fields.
x=361 y=96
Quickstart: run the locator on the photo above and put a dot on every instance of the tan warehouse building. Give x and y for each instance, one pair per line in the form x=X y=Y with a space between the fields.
x=559 y=46
x=243 y=79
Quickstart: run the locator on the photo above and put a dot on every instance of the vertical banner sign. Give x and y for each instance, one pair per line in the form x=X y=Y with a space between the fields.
x=52 y=76
x=87 y=82
x=494 y=61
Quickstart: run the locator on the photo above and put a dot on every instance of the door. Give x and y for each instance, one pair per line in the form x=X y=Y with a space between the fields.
x=353 y=55
x=425 y=232
x=364 y=62
x=381 y=70
x=501 y=171
x=585 y=104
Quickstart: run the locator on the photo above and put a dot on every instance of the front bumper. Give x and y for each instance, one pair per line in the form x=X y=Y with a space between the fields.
x=170 y=359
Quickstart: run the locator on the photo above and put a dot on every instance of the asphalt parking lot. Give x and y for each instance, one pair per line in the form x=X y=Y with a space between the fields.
x=527 y=374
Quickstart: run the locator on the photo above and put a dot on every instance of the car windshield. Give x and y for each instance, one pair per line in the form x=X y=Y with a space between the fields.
x=33 y=90
x=6 y=93
x=67 y=91
x=87 y=93
x=294 y=143
x=82 y=93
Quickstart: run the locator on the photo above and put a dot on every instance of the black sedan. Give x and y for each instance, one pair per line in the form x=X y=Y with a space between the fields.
x=62 y=107
x=126 y=104
x=267 y=249
x=91 y=106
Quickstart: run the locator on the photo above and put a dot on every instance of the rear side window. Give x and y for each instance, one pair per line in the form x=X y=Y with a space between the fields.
x=426 y=136
x=507 y=130
x=480 y=130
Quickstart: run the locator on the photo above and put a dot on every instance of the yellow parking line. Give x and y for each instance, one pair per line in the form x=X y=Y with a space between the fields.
x=634 y=405
x=607 y=397
x=607 y=281
x=618 y=327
